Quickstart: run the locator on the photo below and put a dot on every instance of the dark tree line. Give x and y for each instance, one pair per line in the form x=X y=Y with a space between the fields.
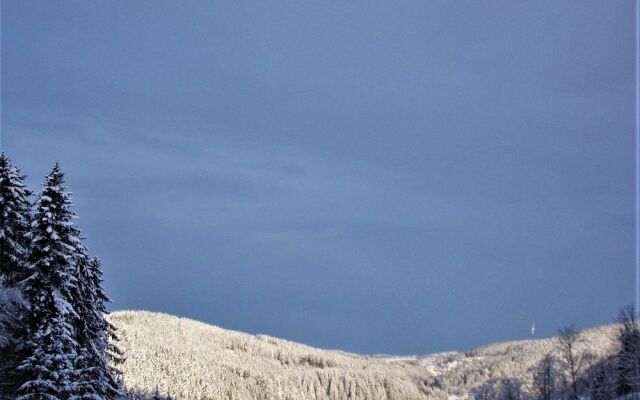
x=55 y=342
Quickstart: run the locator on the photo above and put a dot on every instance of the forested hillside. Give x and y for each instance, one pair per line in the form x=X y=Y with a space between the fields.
x=193 y=360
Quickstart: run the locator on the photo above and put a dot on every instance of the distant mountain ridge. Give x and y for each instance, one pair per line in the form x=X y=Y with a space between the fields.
x=192 y=360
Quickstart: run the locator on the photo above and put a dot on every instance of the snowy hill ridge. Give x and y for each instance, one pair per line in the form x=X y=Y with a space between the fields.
x=193 y=360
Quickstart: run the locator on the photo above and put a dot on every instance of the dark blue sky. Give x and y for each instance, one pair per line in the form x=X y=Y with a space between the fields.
x=398 y=177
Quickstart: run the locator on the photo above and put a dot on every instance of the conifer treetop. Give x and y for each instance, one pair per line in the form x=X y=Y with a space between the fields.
x=14 y=222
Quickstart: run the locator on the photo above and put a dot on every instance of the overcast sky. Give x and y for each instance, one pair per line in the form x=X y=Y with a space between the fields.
x=379 y=177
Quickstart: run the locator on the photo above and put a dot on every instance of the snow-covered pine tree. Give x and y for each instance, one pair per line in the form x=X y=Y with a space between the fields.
x=51 y=345
x=14 y=222
x=96 y=335
x=108 y=333
x=14 y=244
x=12 y=308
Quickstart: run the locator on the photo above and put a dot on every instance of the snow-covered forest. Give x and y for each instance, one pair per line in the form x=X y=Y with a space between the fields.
x=57 y=342
x=192 y=360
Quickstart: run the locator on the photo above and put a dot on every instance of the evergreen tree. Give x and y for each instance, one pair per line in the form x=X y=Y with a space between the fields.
x=107 y=336
x=51 y=290
x=14 y=222
x=68 y=340
x=99 y=379
x=12 y=307
x=14 y=246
